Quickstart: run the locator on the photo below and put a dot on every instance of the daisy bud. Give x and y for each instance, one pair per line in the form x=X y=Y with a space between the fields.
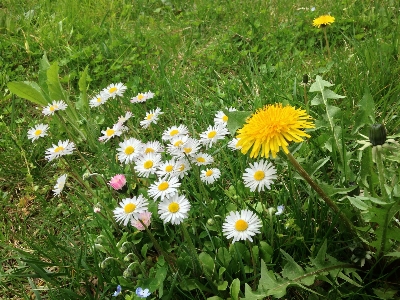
x=377 y=134
x=118 y=182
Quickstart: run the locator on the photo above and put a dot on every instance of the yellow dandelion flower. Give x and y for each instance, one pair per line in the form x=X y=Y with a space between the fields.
x=271 y=128
x=323 y=21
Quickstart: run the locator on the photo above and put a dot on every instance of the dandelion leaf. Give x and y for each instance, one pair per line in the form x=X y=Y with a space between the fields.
x=28 y=90
x=236 y=119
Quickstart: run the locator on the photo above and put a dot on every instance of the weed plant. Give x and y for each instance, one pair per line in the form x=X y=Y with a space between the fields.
x=321 y=224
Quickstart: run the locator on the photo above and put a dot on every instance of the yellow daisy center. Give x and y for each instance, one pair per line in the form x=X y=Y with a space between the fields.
x=225 y=119
x=53 y=107
x=173 y=207
x=241 y=225
x=174 y=132
x=130 y=207
x=201 y=159
x=110 y=132
x=178 y=143
x=211 y=134
x=149 y=116
x=181 y=168
x=149 y=150
x=148 y=164
x=163 y=186
x=187 y=150
x=259 y=175
x=169 y=168
x=38 y=132
x=58 y=149
x=271 y=128
x=112 y=90
x=140 y=96
x=99 y=99
x=129 y=150
x=209 y=173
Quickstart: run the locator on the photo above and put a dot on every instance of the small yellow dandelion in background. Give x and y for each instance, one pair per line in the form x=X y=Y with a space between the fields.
x=271 y=128
x=323 y=21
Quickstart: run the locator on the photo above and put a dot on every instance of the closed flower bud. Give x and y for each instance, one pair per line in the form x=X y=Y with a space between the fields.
x=377 y=134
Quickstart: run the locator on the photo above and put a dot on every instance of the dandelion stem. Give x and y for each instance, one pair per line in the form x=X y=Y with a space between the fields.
x=322 y=194
x=327 y=41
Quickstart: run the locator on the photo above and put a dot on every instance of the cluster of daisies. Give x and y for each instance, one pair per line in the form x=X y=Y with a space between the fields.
x=168 y=161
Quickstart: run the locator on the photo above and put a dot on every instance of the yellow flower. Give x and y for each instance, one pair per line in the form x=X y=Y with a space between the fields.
x=271 y=128
x=323 y=21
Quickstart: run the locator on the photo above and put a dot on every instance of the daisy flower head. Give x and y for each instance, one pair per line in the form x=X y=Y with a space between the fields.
x=174 y=131
x=58 y=188
x=182 y=168
x=220 y=118
x=174 y=209
x=271 y=128
x=38 y=131
x=151 y=117
x=130 y=209
x=153 y=147
x=241 y=225
x=118 y=182
x=233 y=144
x=323 y=21
x=99 y=99
x=210 y=175
x=142 y=97
x=202 y=159
x=145 y=217
x=164 y=188
x=166 y=169
x=189 y=148
x=175 y=147
x=128 y=150
x=147 y=164
x=213 y=134
x=53 y=107
x=260 y=175
x=115 y=89
x=109 y=133
x=123 y=119
x=62 y=148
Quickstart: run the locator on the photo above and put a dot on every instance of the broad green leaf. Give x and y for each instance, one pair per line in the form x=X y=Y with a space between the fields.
x=236 y=119
x=55 y=90
x=385 y=293
x=393 y=254
x=215 y=298
x=28 y=90
x=235 y=289
x=291 y=270
x=207 y=263
x=83 y=102
x=359 y=203
x=44 y=65
x=250 y=295
x=366 y=112
x=222 y=286
x=224 y=256
x=266 y=251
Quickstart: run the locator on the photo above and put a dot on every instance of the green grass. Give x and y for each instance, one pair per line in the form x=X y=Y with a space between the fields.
x=198 y=57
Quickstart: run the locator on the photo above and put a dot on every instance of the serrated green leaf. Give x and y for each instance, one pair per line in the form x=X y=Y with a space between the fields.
x=329 y=94
x=291 y=270
x=250 y=295
x=235 y=289
x=359 y=203
x=332 y=110
x=348 y=279
x=236 y=119
x=319 y=85
x=266 y=251
x=28 y=90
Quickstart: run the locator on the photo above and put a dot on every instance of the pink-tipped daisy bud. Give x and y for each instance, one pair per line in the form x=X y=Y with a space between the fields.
x=118 y=182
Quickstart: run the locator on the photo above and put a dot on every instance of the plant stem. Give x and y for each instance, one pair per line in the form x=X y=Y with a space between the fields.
x=322 y=194
x=327 y=42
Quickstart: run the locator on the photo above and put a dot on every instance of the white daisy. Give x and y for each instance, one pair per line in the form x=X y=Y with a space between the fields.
x=53 y=107
x=212 y=135
x=163 y=188
x=166 y=169
x=210 y=175
x=130 y=209
x=128 y=150
x=38 y=131
x=99 y=99
x=142 y=97
x=189 y=148
x=260 y=175
x=123 y=119
x=175 y=147
x=151 y=117
x=182 y=167
x=202 y=159
x=174 y=131
x=220 y=118
x=153 y=147
x=58 y=188
x=174 y=209
x=233 y=144
x=116 y=130
x=63 y=148
x=147 y=164
x=115 y=89
x=241 y=225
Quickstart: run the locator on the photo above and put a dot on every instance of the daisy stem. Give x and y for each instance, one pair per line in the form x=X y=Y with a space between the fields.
x=327 y=42
x=322 y=194
x=158 y=247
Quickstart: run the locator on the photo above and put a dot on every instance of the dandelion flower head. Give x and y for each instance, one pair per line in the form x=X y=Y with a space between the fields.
x=323 y=21
x=271 y=128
